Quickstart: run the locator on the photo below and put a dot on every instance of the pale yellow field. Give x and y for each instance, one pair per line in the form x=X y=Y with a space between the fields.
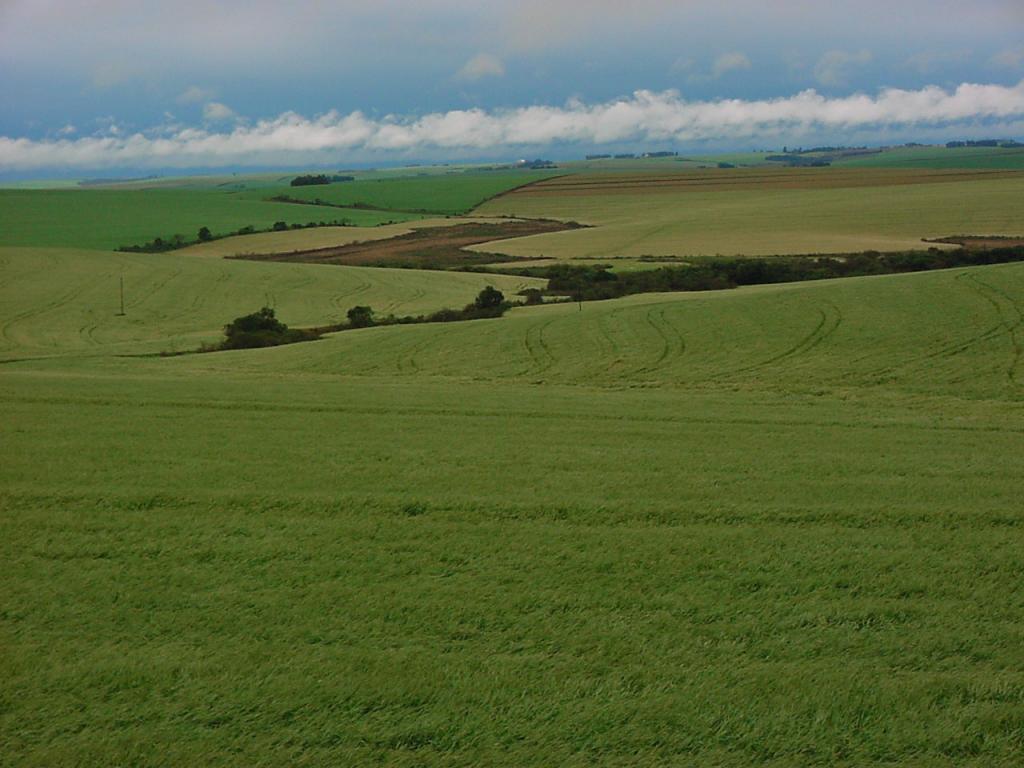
x=310 y=239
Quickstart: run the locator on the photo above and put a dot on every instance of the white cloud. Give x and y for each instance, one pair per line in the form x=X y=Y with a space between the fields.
x=644 y=117
x=730 y=62
x=217 y=112
x=195 y=95
x=834 y=67
x=67 y=130
x=1011 y=58
x=480 y=66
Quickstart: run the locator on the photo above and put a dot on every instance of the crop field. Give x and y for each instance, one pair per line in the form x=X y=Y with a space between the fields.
x=104 y=219
x=316 y=237
x=958 y=332
x=762 y=211
x=436 y=194
x=175 y=302
x=941 y=157
x=770 y=526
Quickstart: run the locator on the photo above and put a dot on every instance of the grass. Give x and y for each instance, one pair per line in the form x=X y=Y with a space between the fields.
x=435 y=194
x=460 y=597
x=922 y=157
x=757 y=212
x=58 y=301
x=310 y=239
x=957 y=336
x=941 y=157
x=776 y=526
x=105 y=219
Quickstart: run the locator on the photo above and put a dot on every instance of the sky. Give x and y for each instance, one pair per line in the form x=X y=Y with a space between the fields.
x=91 y=85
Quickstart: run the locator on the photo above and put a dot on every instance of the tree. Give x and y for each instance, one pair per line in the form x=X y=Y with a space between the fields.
x=360 y=317
x=262 y=329
x=489 y=298
x=262 y=321
x=533 y=295
x=205 y=235
x=309 y=180
x=280 y=226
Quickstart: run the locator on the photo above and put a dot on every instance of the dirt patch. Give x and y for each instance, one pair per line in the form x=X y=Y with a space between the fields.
x=431 y=248
x=980 y=242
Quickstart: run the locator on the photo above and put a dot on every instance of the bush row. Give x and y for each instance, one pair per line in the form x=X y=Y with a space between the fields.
x=319 y=178
x=587 y=283
x=263 y=329
x=204 y=235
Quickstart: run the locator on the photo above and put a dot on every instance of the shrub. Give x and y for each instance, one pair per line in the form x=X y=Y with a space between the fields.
x=489 y=298
x=360 y=317
x=444 y=316
x=261 y=329
x=264 y=319
x=310 y=180
x=533 y=296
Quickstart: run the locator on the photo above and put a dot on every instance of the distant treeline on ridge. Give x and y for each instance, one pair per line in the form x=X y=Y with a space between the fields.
x=321 y=178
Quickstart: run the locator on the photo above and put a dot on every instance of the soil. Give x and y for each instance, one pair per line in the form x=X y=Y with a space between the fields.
x=428 y=248
x=980 y=242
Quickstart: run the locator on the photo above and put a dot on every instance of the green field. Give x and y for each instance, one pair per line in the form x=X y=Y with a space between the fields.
x=110 y=218
x=921 y=157
x=758 y=213
x=438 y=194
x=105 y=219
x=940 y=157
x=773 y=526
x=59 y=301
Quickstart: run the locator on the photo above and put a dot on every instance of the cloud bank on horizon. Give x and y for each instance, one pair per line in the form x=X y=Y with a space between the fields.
x=644 y=117
x=147 y=83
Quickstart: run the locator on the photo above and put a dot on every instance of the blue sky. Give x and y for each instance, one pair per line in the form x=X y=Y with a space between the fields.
x=88 y=84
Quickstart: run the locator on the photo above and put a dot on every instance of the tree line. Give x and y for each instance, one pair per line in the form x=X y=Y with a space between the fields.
x=310 y=180
x=262 y=328
x=597 y=282
x=204 y=235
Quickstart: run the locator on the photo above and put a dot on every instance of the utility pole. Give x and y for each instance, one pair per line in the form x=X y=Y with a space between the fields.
x=121 y=313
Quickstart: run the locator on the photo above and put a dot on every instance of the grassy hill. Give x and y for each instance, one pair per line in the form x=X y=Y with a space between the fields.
x=106 y=219
x=769 y=526
x=953 y=332
x=941 y=157
x=436 y=194
x=59 y=301
x=762 y=211
x=776 y=526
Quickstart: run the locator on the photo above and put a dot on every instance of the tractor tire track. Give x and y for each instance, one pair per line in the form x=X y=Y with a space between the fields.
x=537 y=348
x=673 y=343
x=1013 y=319
x=360 y=288
x=953 y=348
x=829 y=320
x=49 y=306
x=408 y=362
x=605 y=333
